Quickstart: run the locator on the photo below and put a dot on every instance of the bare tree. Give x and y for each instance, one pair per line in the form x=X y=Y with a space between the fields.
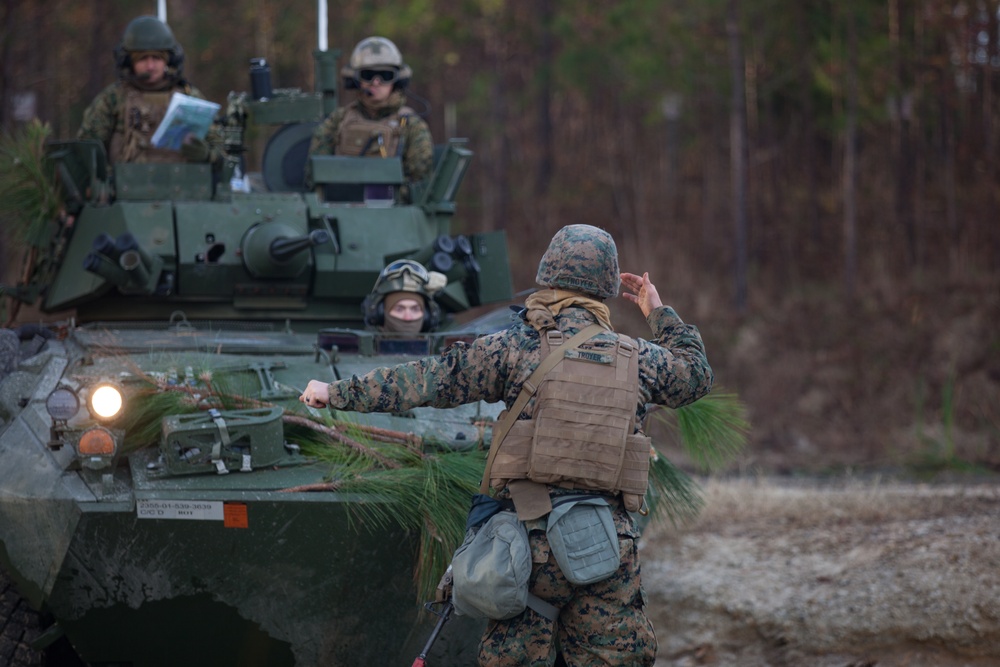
x=6 y=38
x=545 y=141
x=850 y=170
x=738 y=152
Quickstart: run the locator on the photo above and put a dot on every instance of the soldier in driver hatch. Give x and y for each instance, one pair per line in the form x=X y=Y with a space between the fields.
x=125 y=115
x=402 y=300
x=377 y=123
x=601 y=623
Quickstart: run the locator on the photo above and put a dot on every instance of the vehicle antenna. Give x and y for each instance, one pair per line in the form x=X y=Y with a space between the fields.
x=321 y=10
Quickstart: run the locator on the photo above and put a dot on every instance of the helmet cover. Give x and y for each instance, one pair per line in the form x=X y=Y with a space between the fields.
x=581 y=258
x=376 y=53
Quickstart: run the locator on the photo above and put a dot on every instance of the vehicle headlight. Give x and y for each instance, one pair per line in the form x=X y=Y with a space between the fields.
x=105 y=401
x=62 y=404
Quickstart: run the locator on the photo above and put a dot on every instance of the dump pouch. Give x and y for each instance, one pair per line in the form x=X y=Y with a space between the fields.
x=491 y=569
x=482 y=508
x=582 y=535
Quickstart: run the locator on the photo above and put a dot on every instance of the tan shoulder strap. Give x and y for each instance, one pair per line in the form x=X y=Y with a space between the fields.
x=527 y=390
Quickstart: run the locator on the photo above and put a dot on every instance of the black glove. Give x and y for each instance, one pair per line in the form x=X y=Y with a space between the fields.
x=195 y=150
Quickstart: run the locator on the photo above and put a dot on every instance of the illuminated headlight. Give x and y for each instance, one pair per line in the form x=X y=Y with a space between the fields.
x=105 y=401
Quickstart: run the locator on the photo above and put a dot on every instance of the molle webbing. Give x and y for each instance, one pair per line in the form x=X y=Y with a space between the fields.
x=580 y=435
x=360 y=136
x=143 y=112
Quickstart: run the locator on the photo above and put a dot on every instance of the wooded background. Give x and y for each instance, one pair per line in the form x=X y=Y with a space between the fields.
x=747 y=153
x=751 y=145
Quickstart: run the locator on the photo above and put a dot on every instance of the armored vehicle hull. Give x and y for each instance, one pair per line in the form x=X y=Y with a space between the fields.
x=141 y=563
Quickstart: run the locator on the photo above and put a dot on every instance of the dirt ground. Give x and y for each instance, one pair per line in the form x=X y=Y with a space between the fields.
x=852 y=573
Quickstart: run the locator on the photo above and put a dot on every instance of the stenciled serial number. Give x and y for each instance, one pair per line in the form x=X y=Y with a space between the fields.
x=170 y=505
x=179 y=509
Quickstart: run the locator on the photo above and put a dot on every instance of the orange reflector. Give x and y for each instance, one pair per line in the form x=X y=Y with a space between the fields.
x=96 y=442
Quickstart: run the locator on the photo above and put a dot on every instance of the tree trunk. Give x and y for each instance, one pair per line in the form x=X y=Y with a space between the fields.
x=902 y=143
x=101 y=43
x=543 y=178
x=738 y=153
x=850 y=170
x=6 y=38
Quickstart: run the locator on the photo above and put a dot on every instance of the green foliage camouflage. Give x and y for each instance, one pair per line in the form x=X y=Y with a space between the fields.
x=29 y=198
x=419 y=485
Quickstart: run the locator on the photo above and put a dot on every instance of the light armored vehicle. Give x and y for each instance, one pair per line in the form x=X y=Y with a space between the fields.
x=164 y=497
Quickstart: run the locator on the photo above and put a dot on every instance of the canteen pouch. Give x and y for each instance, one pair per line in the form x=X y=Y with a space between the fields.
x=583 y=539
x=491 y=569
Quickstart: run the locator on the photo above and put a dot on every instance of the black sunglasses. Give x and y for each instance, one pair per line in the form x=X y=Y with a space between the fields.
x=383 y=75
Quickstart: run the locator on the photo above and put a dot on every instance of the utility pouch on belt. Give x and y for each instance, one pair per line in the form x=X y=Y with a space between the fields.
x=491 y=569
x=583 y=538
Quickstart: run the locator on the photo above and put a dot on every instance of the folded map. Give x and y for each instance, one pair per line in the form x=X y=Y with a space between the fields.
x=185 y=115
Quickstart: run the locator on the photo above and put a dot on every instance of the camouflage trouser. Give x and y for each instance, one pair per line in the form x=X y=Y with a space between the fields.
x=599 y=624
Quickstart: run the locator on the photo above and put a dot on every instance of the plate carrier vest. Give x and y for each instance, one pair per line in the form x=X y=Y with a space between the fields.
x=143 y=112
x=361 y=136
x=582 y=431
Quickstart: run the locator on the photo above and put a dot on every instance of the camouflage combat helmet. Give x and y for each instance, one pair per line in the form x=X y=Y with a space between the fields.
x=148 y=33
x=581 y=258
x=376 y=53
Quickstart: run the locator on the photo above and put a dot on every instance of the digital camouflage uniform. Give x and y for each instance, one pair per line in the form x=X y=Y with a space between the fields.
x=600 y=623
x=105 y=119
x=418 y=147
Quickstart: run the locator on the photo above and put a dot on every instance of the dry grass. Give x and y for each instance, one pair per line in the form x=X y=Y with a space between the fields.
x=748 y=502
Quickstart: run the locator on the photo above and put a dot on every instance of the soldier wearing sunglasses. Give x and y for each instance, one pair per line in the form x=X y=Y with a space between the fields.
x=377 y=123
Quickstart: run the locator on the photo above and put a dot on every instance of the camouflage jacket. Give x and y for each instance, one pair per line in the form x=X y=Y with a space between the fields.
x=418 y=151
x=673 y=369
x=105 y=118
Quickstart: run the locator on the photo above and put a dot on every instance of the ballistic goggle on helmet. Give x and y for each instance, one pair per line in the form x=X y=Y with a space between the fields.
x=406 y=275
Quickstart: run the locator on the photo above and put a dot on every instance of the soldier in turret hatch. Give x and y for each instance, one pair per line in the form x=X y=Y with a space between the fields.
x=377 y=123
x=125 y=115
x=402 y=300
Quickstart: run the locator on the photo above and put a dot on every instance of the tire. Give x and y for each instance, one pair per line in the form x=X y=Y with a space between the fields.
x=19 y=625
